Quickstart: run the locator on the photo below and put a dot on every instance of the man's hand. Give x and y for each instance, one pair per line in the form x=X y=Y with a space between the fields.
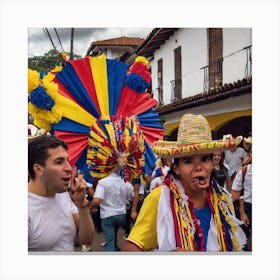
x=244 y=218
x=78 y=188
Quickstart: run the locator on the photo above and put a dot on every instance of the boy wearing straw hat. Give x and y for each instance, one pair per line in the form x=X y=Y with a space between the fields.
x=190 y=211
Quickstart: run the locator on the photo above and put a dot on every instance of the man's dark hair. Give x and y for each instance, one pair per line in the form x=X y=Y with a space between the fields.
x=38 y=151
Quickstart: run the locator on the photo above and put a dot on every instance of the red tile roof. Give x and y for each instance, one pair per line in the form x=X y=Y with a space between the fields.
x=239 y=87
x=120 y=41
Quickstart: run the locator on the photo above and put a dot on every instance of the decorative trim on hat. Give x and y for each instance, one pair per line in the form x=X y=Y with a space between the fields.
x=194 y=137
x=175 y=149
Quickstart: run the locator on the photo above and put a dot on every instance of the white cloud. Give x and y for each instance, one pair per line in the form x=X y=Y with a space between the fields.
x=39 y=42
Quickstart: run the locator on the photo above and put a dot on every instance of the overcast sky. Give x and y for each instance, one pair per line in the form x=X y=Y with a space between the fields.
x=39 y=42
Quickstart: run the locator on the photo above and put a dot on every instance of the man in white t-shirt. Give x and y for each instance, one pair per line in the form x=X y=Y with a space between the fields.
x=111 y=194
x=55 y=219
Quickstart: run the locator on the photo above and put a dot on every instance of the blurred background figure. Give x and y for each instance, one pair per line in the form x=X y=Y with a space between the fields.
x=220 y=172
x=162 y=168
x=233 y=158
x=242 y=192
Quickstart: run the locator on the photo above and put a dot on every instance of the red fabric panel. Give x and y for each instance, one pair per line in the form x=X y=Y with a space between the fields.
x=83 y=70
x=63 y=90
x=134 y=103
x=76 y=142
x=152 y=134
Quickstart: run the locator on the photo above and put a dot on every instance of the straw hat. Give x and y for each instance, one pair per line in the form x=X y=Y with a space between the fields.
x=247 y=143
x=194 y=137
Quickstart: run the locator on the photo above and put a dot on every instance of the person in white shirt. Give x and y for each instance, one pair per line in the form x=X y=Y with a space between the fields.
x=242 y=191
x=160 y=172
x=111 y=194
x=55 y=219
x=233 y=157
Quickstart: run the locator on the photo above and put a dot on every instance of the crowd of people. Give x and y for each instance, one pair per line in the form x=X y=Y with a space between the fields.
x=198 y=197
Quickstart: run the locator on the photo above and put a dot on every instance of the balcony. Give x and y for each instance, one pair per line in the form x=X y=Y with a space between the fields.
x=158 y=94
x=176 y=89
x=213 y=73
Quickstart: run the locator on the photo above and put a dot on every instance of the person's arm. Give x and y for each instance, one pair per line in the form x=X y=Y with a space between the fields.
x=130 y=247
x=91 y=191
x=143 y=235
x=243 y=215
x=235 y=195
x=247 y=159
x=83 y=220
x=237 y=186
x=228 y=182
x=95 y=203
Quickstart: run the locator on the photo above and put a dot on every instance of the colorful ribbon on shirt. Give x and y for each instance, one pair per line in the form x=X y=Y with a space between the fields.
x=187 y=225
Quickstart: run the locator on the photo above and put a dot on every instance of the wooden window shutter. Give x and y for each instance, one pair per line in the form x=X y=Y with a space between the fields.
x=215 y=52
x=149 y=89
x=160 y=82
x=178 y=73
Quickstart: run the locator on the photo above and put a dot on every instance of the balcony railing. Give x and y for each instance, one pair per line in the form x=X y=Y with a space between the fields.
x=159 y=94
x=213 y=73
x=176 y=89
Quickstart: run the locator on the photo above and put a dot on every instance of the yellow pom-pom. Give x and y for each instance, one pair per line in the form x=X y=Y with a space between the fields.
x=64 y=56
x=33 y=80
x=142 y=59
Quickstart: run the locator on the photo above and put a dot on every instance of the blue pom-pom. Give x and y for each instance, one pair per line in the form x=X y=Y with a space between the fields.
x=41 y=99
x=42 y=75
x=136 y=82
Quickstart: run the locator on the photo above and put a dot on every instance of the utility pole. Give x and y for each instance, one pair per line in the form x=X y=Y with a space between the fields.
x=72 y=40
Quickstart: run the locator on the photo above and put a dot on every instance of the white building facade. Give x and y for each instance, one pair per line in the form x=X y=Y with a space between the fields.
x=190 y=65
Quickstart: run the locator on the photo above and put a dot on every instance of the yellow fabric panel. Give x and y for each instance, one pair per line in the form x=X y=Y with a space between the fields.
x=99 y=72
x=144 y=232
x=73 y=111
x=111 y=132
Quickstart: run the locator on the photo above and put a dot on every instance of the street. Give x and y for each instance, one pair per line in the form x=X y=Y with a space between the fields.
x=100 y=238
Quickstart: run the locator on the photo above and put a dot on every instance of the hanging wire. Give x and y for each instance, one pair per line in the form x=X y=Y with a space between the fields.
x=58 y=38
x=49 y=36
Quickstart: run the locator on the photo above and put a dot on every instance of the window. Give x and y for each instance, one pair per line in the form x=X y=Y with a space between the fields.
x=215 y=53
x=160 y=82
x=177 y=83
x=149 y=89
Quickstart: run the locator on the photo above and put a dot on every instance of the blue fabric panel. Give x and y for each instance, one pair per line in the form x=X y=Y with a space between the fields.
x=72 y=82
x=150 y=159
x=150 y=118
x=116 y=72
x=68 y=125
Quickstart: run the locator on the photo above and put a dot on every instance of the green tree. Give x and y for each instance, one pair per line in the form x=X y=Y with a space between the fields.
x=48 y=61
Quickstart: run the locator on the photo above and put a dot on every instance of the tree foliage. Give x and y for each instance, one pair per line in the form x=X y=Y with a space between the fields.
x=48 y=61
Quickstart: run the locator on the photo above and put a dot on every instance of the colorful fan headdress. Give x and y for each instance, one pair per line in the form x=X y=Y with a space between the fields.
x=100 y=108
